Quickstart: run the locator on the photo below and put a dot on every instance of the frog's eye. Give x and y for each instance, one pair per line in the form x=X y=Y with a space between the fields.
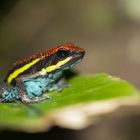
x=63 y=53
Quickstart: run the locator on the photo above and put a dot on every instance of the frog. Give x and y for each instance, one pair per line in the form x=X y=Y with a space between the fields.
x=32 y=78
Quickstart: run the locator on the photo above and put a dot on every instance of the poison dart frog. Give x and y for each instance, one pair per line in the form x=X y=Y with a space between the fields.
x=32 y=77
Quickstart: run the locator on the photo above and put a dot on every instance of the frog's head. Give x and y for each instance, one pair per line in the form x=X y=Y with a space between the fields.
x=65 y=57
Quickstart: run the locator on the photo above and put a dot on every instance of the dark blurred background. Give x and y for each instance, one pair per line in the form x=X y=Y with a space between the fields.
x=109 y=31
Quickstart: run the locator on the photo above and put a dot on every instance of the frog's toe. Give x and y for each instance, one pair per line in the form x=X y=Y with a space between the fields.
x=2 y=100
x=26 y=99
x=46 y=97
x=66 y=86
x=60 y=88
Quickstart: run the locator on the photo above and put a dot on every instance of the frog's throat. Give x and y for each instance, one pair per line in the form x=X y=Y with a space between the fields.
x=54 y=67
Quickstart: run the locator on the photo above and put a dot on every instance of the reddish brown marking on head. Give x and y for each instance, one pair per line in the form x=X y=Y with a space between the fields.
x=70 y=47
x=48 y=52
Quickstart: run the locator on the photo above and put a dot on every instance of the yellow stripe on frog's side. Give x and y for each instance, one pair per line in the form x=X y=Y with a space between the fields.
x=54 y=67
x=13 y=75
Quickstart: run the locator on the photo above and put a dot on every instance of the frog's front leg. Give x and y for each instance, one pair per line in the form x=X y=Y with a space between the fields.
x=59 y=85
x=58 y=81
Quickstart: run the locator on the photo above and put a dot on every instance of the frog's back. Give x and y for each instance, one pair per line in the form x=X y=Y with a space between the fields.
x=28 y=65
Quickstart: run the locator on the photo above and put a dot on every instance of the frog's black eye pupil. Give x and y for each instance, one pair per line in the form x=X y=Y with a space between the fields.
x=63 y=53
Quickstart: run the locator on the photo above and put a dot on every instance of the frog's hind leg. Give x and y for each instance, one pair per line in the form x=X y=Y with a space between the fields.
x=8 y=93
x=2 y=90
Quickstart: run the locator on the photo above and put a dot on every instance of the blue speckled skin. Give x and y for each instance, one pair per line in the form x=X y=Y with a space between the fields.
x=10 y=93
x=35 y=87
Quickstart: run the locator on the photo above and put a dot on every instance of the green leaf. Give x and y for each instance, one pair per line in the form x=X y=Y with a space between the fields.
x=88 y=96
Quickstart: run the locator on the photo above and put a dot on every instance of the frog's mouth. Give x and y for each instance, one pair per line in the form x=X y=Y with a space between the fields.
x=74 y=61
